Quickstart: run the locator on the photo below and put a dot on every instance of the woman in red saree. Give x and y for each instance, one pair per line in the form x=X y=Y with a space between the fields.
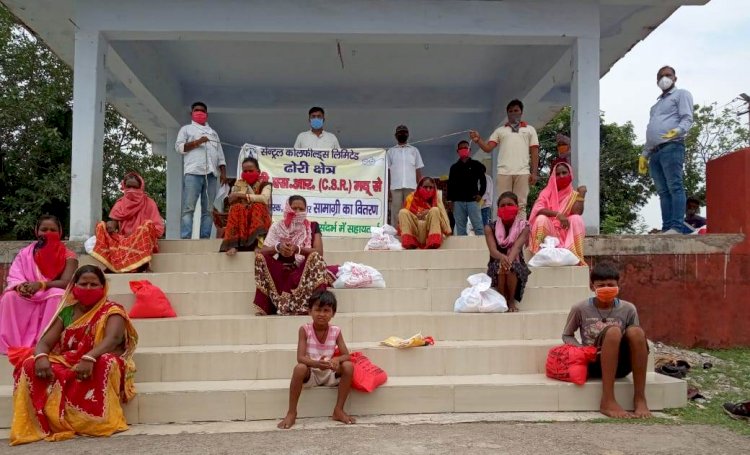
x=80 y=371
x=423 y=221
x=290 y=266
x=36 y=282
x=125 y=243
x=249 y=216
x=557 y=212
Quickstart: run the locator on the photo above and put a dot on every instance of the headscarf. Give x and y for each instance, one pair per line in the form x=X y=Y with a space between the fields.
x=506 y=240
x=134 y=208
x=553 y=199
x=50 y=255
x=415 y=204
x=294 y=228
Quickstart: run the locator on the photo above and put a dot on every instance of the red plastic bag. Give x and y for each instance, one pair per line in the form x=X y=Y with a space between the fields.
x=367 y=375
x=570 y=363
x=150 y=301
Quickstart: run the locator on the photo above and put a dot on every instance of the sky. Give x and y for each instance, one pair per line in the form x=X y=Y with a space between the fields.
x=708 y=45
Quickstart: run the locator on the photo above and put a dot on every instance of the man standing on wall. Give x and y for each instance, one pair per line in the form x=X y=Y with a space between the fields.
x=316 y=138
x=466 y=185
x=203 y=163
x=404 y=171
x=518 y=156
x=670 y=121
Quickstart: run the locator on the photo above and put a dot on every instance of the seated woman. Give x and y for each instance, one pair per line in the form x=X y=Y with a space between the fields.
x=249 y=215
x=557 y=212
x=505 y=239
x=290 y=266
x=126 y=242
x=36 y=282
x=423 y=220
x=80 y=371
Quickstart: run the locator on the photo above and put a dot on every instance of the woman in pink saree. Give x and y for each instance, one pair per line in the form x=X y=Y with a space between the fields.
x=37 y=280
x=557 y=212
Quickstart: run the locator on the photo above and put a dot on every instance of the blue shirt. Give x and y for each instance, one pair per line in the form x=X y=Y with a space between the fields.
x=673 y=109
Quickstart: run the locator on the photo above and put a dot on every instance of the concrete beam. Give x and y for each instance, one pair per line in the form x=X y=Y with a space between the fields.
x=174 y=185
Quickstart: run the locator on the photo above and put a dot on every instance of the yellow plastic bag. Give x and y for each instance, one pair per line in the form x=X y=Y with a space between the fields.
x=400 y=343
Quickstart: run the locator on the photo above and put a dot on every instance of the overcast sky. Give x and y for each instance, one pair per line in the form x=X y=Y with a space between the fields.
x=709 y=46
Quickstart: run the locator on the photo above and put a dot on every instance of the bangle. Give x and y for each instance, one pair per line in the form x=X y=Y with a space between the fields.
x=43 y=284
x=247 y=197
x=89 y=358
x=40 y=355
x=299 y=249
x=277 y=247
x=580 y=199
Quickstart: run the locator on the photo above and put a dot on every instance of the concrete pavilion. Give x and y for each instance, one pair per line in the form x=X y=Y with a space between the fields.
x=439 y=66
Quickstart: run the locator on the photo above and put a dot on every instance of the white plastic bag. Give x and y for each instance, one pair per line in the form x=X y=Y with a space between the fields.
x=383 y=239
x=352 y=276
x=221 y=194
x=480 y=297
x=550 y=255
x=89 y=244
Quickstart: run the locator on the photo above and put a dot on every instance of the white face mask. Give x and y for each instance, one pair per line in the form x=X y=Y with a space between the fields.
x=665 y=83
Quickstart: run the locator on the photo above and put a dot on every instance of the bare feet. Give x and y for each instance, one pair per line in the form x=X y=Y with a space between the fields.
x=641 y=409
x=288 y=422
x=614 y=410
x=231 y=251
x=512 y=307
x=341 y=416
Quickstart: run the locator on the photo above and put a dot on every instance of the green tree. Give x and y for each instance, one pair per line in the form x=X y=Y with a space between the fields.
x=622 y=190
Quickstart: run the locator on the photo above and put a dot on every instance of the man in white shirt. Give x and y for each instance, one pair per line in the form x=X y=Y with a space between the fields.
x=404 y=171
x=203 y=163
x=316 y=138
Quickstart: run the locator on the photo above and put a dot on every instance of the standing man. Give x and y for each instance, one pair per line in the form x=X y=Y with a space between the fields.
x=404 y=171
x=203 y=163
x=671 y=119
x=466 y=186
x=316 y=138
x=518 y=156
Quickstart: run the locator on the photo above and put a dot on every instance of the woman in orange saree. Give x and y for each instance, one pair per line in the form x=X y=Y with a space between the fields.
x=557 y=212
x=249 y=216
x=423 y=221
x=125 y=243
x=80 y=371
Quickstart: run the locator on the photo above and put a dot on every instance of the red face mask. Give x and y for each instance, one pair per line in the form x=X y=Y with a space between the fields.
x=607 y=294
x=250 y=177
x=562 y=149
x=425 y=193
x=563 y=182
x=50 y=238
x=200 y=117
x=88 y=296
x=464 y=152
x=507 y=213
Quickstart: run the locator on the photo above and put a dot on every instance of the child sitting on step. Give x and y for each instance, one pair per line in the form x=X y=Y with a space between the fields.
x=612 y=326
x=316 y=363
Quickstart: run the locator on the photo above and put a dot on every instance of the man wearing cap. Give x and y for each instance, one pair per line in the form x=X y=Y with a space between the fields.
x=404 y=171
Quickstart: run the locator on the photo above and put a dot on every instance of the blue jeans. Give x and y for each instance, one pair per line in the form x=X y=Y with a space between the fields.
x=666 y=167
x=485 y=216
x=194 y=186
x=463 y=211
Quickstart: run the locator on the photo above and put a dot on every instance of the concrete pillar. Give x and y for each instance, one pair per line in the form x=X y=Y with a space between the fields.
x=174 y=186
x=585 y=125
x=89 y=96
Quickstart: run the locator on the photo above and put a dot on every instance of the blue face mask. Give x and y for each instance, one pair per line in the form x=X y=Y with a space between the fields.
x=316 y=123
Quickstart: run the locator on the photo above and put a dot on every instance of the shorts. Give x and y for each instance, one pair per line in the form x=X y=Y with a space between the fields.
x=624 y=365
x=321 y=378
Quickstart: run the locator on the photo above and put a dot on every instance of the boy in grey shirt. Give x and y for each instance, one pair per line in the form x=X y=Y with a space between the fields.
x=612 y=326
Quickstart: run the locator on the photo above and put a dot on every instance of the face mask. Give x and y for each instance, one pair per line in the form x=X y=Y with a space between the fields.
x=316 y=123
x=50 y=237
x=464 y=153
x=562 y=149
x=507 y=213
x=665 y=83
x=250 y=177
x=88 y=296
x=402 y=138
x=607 y=294
x=563 y=182
x=514 y=118
x=200 y=117
x=426 y=193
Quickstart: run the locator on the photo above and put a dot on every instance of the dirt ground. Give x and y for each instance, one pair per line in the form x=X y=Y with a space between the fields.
x=468 y=438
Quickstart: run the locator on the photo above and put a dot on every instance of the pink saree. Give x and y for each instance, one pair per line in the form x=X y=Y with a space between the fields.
x=22 y=320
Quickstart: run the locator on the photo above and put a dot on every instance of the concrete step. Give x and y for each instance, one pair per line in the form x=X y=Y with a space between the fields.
x=218 y=303
x=167 y=402
x=357 y=327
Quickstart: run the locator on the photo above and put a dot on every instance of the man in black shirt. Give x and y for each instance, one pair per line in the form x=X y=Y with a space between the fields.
x=466 y=185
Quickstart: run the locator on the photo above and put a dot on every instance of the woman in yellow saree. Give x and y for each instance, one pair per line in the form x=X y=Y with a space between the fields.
x=81 y=370
x=423 y=220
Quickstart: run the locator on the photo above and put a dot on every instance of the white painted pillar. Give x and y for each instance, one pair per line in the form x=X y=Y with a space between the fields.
x=585 y=125
x=89 y=93
x=174 y=186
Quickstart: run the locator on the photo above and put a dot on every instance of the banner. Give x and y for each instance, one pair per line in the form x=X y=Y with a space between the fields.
x=346 y=190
